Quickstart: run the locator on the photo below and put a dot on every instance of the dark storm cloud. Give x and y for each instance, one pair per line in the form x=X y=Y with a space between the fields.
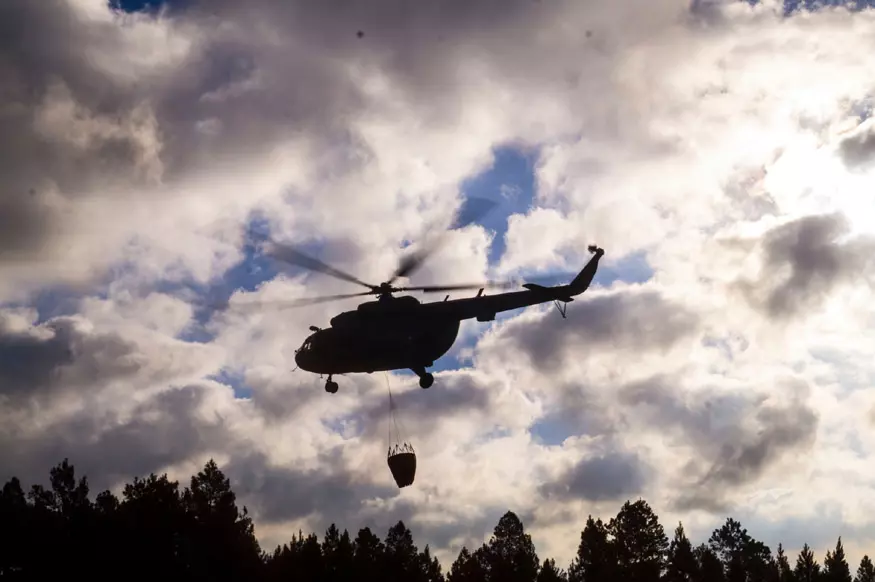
x=782 y=428
x=737 y=437
x=83 y=148
x=32 y=362
x=279 y=494
x=28 y=362
x=632 y=321
x=163 y=431
x=615 y=475
x=804 y=261
x=858 y=150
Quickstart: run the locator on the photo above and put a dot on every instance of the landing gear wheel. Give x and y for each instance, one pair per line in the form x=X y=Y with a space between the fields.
x=426 y=380
x=331 y=387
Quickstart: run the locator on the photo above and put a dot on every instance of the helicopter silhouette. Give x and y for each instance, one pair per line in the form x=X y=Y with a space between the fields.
x=402 y=333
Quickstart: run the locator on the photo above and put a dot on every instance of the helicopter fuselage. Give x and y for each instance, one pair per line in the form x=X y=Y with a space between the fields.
x=395 y=333
x=374 y=345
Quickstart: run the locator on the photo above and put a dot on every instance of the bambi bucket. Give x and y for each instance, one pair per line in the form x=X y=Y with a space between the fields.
x=402 y=463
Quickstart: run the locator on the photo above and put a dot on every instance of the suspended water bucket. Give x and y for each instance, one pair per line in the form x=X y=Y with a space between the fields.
x=401 y=456
x=402 y=463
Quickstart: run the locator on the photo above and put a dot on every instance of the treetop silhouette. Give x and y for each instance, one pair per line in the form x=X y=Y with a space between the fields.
x=157 y=530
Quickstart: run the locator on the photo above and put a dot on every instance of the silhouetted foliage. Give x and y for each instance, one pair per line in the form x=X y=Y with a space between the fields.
x=550 y=573
x=595 y=560
x=467 y=567
x=807 y=569
x=682 y=565
x=835 y=567
x=157 y=531
x=784 y=573
x=639 y=541
x=710 y=567
x=866 y=571
x=510 y=555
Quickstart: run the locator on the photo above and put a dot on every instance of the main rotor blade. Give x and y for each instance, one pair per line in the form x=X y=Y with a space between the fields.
x=295 y=257
x=472 y=210
x=462 y=287
x=302 y=302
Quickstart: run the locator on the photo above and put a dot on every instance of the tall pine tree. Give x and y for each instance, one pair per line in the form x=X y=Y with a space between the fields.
x=510 y=553
x=784 y=573
x=595 y=560
x=807 y=569
x=467 y=568
x=835 y=566
x=710 y=566
x=866 y=571
x=640 y=542
x=681 y=565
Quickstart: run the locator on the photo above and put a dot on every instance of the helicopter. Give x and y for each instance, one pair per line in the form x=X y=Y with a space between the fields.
x=398 y=333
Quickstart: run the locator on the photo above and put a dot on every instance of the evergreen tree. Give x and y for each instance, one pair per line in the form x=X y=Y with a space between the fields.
x=401 y=554
x=338 y=554
x=467 y=568
x=369 y=555
x=510 y=553
x=227 y=548
x=550 y=573
x=807 y=569
x=743 y=558
x=784 y=573
x=835 y=567
x=429 y=568
x=639 y=541
x=595 y=560
x=710 y=566
x=866 y=571
x=681 y=565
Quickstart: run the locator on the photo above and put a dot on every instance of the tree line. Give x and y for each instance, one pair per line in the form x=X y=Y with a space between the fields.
x=199 y=533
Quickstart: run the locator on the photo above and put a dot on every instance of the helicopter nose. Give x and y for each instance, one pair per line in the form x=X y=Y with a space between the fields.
x=302 y=359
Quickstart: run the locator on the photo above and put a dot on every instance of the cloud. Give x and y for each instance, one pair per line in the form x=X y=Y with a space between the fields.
x=627 y=321
x=858 y=149
x=737 y=437
x=614 y=476
x=282 y=494
x=162 y=431
x=803 y=261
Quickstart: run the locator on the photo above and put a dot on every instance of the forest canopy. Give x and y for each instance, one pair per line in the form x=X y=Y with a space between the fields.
x=197 y=532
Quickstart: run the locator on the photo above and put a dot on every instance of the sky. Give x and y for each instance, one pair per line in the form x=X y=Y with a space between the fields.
x=721 y=152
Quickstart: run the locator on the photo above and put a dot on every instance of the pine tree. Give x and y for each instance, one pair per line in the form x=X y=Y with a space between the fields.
x=402 y=555
x=710 y=566
x=807 y=569
x=743 y=558
x=835 y=566
x=595 y=560
x=866 y=571
x=550 y=573
x=640 y=542
x=337 y=551
x=681 y=565
x=429 y=567
x=369 y=555
x=227 y=545
x=510 y=553
x=467 y=568
x=784 y=573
